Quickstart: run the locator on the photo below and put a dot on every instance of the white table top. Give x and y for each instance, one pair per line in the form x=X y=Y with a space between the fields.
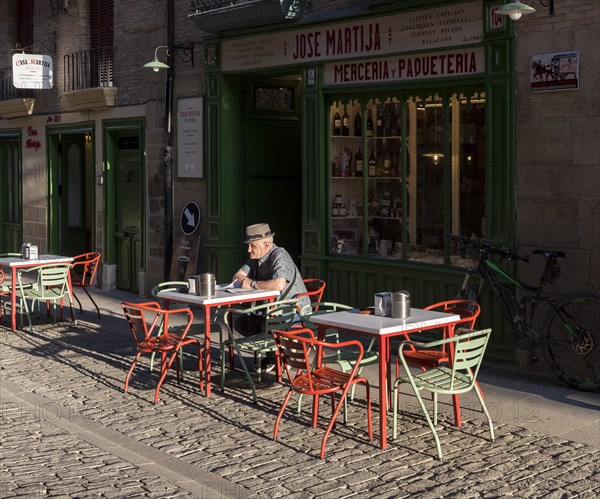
x=222 y=297
x=378 y=325
x=17 y=261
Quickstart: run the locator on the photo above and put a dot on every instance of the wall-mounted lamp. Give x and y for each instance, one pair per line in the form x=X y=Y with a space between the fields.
x=517 y=9
x=184 y=52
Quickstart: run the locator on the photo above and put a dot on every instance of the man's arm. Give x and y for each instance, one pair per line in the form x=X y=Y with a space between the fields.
x=240 y=275
x=277 y=284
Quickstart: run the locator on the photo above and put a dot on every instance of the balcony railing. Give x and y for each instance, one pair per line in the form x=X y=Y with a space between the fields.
x=218 y=16
x=88 y=69
x=7 y=90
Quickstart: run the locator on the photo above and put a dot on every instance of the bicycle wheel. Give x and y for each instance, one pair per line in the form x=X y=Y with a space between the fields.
x=573 y=335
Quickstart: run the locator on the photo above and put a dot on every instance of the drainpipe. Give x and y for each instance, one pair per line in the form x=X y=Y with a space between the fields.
x=168 y=152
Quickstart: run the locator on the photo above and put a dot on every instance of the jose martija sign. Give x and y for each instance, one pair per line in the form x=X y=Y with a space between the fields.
x=375 y=37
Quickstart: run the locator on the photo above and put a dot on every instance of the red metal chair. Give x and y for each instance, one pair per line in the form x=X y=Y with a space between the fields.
x=4 y=292
x=314 y=289
x=149 y=324
x=426 y=359
x=310 y=377
x=83 y=273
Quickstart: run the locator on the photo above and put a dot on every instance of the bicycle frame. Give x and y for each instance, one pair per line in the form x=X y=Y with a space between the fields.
x=568 y=334
x=489 y=271
x=518 y=312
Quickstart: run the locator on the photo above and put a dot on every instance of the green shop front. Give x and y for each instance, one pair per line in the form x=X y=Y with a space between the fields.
x=363 y=141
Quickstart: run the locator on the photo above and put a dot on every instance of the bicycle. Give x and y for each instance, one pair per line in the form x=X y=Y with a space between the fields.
x=570 y=332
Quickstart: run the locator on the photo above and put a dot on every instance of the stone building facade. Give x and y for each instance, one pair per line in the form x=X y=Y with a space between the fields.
x=542 y=166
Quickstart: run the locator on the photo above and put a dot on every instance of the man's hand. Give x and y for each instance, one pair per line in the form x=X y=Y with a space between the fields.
x=246 y=283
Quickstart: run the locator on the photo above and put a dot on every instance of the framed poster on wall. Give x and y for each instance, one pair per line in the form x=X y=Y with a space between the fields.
x=189 y=137
x=554 y=71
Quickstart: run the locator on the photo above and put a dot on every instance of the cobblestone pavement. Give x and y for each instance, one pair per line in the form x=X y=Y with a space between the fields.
x=68 y=430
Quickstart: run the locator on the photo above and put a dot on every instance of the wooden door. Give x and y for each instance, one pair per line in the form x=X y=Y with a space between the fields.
x=129 y=202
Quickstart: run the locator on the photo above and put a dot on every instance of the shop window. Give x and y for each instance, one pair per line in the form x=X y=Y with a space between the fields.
x=404 y=172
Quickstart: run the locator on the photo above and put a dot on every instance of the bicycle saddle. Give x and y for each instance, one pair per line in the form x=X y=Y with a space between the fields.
x=550 y=254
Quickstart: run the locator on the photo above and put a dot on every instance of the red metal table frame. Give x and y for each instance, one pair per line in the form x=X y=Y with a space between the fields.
x=385 y=328
x=16 y=262
x=222 y=298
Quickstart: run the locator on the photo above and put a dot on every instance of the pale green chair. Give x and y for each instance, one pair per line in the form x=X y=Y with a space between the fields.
x=43 y=283
x=278 y=316
x=460 y=377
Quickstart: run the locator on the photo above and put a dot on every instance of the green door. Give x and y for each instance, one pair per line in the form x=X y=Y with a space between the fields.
x=10 y=204
x=129 y=202
x=273 y=161
x=71 y=184
x=71 y=195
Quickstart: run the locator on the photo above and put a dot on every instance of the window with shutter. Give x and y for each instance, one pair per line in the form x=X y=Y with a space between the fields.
x=101 y=42
x=25 y=23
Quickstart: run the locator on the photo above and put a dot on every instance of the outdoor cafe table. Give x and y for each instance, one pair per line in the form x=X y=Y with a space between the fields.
x=222 y=298
x=384 y=328
x=16 y=262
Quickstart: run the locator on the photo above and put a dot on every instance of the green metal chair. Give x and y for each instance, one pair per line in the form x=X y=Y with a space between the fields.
x=50 y=284
x=279 y=315
x=469 y=347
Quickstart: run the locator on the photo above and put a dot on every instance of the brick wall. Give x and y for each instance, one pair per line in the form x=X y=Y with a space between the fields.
x=558 y=144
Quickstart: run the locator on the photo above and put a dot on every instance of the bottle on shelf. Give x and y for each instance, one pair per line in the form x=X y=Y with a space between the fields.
x=379 y=167
x=345 y=123
x=358 y=163
x=372 y=164
x=396 y=126
x=387 y=121
x=357 y=124
x=369 y=124
x=346 y=159
x=387 y=166
x=379 y=122
x=337 y=204
x=385 y=207
x=337 y=167
x=394 y=166
x=337 y=123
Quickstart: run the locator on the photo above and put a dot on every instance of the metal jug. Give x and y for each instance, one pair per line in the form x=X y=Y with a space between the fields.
x=207 y=285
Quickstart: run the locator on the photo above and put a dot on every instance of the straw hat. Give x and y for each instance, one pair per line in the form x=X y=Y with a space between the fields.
x=257 y=232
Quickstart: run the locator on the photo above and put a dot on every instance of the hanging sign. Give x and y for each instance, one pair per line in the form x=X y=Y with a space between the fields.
x=32 y=71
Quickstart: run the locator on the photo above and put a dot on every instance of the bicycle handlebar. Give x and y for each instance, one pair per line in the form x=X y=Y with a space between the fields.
x=484 y=246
